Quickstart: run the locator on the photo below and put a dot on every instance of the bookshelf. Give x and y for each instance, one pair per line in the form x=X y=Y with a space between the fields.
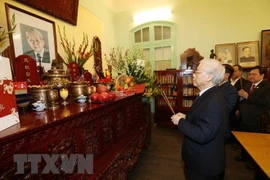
x=178 y=87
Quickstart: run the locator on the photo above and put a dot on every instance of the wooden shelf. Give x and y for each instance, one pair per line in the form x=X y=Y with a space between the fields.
x=186 y=93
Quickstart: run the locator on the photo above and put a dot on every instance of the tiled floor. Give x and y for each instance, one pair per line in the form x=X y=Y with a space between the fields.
x=162 y=160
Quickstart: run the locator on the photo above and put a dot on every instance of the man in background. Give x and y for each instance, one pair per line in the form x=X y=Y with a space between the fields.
x=36 y=41
x=230 y=95
x=255 y=103
x=204 y=126
x=238 y=82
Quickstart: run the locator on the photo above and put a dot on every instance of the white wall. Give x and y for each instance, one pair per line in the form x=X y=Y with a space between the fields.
x=102 y=10
x=204 y=23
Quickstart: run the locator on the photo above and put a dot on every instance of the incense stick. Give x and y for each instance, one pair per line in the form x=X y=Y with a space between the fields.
x=241 y=84
x=167 y=101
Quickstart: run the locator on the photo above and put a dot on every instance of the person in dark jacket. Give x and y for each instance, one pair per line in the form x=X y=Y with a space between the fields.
x=238 y=82
x=255 y=104
x=204 y=126
x=230 y=95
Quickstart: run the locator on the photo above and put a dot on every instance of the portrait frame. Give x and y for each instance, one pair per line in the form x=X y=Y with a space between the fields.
x=225 y=53
x=265 y=45
x=65 y=10
x=24 y=20
x=249 y=57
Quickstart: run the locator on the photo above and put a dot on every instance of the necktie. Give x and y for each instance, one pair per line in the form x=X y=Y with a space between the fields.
x=252 y=88
x=39 y=57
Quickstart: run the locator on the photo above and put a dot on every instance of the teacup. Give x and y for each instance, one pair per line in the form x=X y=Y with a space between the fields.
x=39 y=106
x=82 y=98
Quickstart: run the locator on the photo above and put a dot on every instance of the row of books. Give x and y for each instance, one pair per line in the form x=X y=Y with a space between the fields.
x=187 y=79
x=162 y=102
x=190 y=91
x=186 y=103
x=166 y=79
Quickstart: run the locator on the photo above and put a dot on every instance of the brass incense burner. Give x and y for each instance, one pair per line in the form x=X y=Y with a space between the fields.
x=57 y=78
x=78 y=88
x=39 y=93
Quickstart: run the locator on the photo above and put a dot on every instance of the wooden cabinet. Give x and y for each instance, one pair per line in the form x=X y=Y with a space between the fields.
x=178 y=87
x=114 y=133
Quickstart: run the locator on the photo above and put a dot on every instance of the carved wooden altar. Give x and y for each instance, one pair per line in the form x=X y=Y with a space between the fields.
x=114 y=133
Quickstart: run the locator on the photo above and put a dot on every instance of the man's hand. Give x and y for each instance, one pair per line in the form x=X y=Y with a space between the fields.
x=243 y=94
x=176 y=118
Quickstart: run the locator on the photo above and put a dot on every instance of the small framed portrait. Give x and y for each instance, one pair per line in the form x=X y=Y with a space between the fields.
x=225 y=53
x=265 y=40
x=247 y=53
x=34 y=36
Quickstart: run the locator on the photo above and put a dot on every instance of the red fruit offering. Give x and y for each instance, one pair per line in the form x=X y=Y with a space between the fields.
x=94 y=97
x=104 y=97
x=112 y=96
x=102 y=88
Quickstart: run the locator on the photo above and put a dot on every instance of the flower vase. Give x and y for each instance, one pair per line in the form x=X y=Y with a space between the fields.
x=81 y=77
x=145 y=99
x=140 y=88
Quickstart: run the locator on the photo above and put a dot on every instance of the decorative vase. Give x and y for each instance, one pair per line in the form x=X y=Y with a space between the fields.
x=140 y=88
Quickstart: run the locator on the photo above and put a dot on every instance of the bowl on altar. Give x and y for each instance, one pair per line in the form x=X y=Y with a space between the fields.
x=82 y=99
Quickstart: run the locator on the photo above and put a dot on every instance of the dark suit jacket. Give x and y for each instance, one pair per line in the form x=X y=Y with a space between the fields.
x=204 y=133
x=247 y=59
x=45 y=59
x=230 y=95
x=256 y=105
x=237 y=86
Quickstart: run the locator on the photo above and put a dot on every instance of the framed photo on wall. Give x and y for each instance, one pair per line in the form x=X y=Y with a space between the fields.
x=34 y=36
x=225 y=53
x=65 y=10
x=247 y=53
x=265 y=40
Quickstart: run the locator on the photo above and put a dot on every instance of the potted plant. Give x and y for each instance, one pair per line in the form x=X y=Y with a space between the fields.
x=116 y=60
x=139 y=67
x=76 y=58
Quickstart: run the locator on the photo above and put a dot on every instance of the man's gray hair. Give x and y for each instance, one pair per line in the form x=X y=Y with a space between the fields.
x=29 y=30
x=214 y=67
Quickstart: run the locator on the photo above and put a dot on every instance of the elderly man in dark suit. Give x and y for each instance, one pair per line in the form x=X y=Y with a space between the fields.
x=255 y=103
x=36 y=41
x=204 y=126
